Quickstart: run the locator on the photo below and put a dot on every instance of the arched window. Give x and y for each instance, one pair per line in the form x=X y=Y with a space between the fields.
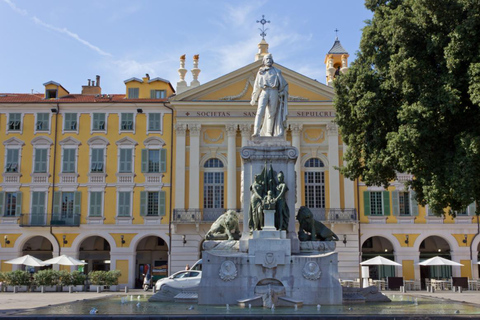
x=213 y=180
x=314 y=184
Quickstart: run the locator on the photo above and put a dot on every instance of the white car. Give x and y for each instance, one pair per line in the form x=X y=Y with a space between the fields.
x=181 y=279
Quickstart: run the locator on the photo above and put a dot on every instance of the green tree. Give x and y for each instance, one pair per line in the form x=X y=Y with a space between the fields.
x=410 y=101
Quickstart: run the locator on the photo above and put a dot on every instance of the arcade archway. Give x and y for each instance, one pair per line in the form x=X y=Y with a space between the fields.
x=95 y=251
x=430 y=247
x=378 y=246
x=152 y=257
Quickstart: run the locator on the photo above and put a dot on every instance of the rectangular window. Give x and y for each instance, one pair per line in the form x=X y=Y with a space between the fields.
x=69 y=160
x=124 y=204
x=13 y=203
x=158 y=94
x=14 y=121
x=12 y=160
x=154 y=121
x=67 y=204
x=70 y=122
x=152 y=204
x=51 y=94
x=376 y=203
x=133 y=93
x=125 y=160
x=40 y=161
x=38 y=208
x=154 y=160
x=95 y=204
x=97 y=160
x=43 y=121
x=98 y=122
x=127 y=122
x=404 y=203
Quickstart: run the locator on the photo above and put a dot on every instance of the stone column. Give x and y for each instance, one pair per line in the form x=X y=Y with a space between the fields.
x=232 y=166
x=296 y=142
x=180 y=129
x=194 y=181
x=245 y=130
x=334 y=175
x=349 y=186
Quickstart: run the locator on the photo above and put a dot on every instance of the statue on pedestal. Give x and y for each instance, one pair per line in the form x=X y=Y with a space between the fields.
x=311 y=229
x=222 y=228
x=271 y=91
x=268 y=194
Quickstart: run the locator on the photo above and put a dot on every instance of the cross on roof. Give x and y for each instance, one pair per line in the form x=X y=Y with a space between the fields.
x=263 y=22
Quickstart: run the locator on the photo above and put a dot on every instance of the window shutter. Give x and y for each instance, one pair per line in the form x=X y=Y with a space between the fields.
x=163 y=160
x=38 y=202
x=386 y=203
x=121 y=206
x=144 y=160
x=2 y=200
x=77 y=203
x=471 y=209
x=128 y=160
x=366 y=203
x=161 y=203
x=152 y=94
x=40 y=160
x=57 y=202
x=143 y=203
x=93 y=202
x=123 y=157
x=414 y=203
x=395 y=203
x=18 y=204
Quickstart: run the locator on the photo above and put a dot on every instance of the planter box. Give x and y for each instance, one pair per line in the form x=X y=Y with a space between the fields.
x=77 y=288
x=45 y=289
x=20 y=288
x=113 y=288
x=93 y=288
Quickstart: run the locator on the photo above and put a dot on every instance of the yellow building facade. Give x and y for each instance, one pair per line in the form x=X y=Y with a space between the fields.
x=88 y=175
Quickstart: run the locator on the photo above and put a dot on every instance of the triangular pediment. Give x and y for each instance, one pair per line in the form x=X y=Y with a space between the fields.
x=237 y=86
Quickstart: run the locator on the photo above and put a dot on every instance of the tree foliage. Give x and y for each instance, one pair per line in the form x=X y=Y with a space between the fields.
x=410 y=101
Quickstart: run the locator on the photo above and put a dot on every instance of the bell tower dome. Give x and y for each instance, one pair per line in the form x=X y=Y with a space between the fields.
x=336 y=61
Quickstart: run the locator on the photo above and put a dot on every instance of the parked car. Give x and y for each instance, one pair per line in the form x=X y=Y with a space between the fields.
x=181 y=279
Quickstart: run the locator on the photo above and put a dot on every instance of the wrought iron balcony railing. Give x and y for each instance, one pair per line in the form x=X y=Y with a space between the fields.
x=200 y=215
x=335 y=215
x=47 y=220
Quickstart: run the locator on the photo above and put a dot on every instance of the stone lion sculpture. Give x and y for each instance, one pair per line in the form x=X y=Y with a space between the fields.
x=311 y=229
x=222 y=228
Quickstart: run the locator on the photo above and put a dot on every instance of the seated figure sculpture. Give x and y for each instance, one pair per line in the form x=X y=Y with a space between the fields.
x=311 y=229
x=222 y=228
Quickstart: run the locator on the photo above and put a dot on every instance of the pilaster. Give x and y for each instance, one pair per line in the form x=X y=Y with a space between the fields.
x=334 y=175
x=296 y=142
x=180 y=130
x=194 y=181
x=232 y=166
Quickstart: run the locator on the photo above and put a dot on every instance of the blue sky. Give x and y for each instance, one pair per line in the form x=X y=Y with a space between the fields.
x=72 y=41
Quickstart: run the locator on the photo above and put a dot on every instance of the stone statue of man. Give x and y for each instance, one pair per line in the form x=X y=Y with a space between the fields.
x=271 y=92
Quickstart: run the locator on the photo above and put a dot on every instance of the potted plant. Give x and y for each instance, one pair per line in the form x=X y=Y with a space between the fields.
x=2 y=281
x=112 y=279
x=97 y=279
x=18 y=278
x=77 y=280
x=48 y=278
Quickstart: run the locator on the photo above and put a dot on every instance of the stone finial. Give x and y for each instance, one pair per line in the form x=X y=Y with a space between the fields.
x=195 y=72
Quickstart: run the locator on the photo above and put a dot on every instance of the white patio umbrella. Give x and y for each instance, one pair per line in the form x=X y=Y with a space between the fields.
x=439 y=261
x=379 y=261
x=65 y=260
x=27 y=260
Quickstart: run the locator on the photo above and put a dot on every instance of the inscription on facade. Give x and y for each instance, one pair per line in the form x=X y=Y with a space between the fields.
x=232 y=114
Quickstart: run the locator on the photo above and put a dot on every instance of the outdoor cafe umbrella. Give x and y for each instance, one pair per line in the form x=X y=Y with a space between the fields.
x=65 y=260
x=27 y=260
x=439 y=261
x=379 y=261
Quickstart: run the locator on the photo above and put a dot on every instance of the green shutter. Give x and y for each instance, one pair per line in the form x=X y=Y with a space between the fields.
x=143 y=203
x=163 y=160
x=18 y=206
x=92 y=209
x=366 y=203
x=57 y=202
x=2 y=200
x=144 y=160
x=395 y=203
x=414 y=203
x=386 y=203
x=38 y=202
x=471 y=209
x=77 y=202
x=123 y=157
x=152 y=94
x=40 y=160
x=161 y=203
x=121 y=207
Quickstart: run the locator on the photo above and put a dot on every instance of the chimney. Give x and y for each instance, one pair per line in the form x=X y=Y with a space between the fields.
x=92 y=88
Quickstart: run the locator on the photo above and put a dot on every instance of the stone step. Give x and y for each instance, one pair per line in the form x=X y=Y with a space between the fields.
x=186 y=297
